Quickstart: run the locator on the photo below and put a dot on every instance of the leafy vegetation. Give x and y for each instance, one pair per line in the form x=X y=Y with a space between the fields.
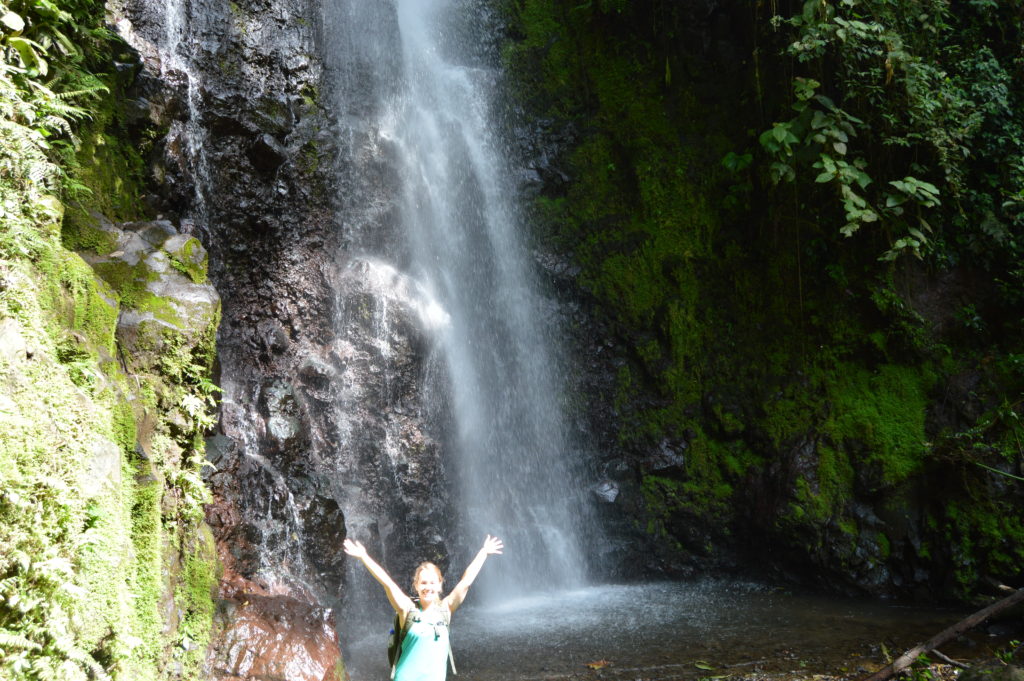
x=92 y=497
x=801 y=221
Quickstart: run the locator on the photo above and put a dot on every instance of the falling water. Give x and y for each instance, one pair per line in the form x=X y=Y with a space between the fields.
x=461 y=237
x=466 y=238
x=177 y=50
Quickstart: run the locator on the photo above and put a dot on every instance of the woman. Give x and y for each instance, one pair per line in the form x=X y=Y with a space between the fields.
x=425 y=648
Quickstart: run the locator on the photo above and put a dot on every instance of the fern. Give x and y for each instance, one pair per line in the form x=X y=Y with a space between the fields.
x=66 y=647
x=13 y=641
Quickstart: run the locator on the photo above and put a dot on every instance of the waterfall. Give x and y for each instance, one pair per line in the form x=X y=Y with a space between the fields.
x=177 y=49
x=461 y=236
x=466 y=239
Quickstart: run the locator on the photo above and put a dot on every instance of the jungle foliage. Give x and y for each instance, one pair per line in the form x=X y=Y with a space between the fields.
x=86 y=522
x=803 y=222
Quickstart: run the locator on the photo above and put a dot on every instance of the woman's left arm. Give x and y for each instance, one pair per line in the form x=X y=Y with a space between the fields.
x=492 y=545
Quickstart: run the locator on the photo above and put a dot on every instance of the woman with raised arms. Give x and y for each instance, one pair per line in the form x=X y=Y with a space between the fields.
x=424 y=649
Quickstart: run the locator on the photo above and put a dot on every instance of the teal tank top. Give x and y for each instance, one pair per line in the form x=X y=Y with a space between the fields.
x=424 y=655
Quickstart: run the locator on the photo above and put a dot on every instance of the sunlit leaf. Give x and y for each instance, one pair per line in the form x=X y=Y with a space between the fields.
x=13 y=21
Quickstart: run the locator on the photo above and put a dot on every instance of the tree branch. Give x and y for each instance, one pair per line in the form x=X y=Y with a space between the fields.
x=907 y=658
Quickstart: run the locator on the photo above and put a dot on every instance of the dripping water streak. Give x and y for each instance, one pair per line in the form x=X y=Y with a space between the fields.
x=176 y=47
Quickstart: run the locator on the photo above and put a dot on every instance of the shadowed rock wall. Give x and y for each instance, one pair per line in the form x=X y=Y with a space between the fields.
x=320 y=348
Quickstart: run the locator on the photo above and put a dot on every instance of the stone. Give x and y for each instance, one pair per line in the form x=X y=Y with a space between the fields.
x=606 y=491
x=276 y=639
x=13 y=347
x=187 y=256
x=103 y=468
x=266 y=153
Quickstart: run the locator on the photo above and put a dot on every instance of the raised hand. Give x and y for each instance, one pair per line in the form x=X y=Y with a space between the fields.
x=492 y=545
x=355 y=549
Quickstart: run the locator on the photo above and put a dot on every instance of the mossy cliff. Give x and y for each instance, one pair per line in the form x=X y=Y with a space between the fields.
x=106 y=570
x=836 y=401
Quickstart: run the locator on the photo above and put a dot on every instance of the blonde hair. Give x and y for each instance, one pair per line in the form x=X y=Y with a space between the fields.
x=426 y=565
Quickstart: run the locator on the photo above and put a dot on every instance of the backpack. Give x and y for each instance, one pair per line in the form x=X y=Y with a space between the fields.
x=397 y=635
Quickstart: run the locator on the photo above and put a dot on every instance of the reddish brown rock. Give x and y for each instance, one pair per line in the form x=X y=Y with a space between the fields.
x=276 y=638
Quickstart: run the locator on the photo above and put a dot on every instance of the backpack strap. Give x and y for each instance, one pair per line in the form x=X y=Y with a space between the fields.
x=412 y=615
x=447 y=615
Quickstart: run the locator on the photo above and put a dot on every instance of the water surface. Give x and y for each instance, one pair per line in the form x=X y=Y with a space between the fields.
x=691 y=630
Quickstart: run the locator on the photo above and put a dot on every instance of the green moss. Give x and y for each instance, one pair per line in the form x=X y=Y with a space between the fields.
x=885 y=545
x=146 y=537
x=112 y=168
x=84 y=548
x=94 y=309
x=712 y=283
x=987 y=537
x=81 y=232
x=195 y=599
x=76 y=301
x=787 y=413
x=123 y=425
x=310 y=157
x=883 y=410
x=128 y=280
x=191 y=260
x=131 y=284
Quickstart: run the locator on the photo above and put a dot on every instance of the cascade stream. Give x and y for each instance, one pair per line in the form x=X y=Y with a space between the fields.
x=493 y=372
x=515 y=475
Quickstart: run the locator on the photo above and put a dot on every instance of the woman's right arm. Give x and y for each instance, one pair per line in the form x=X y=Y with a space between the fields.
x=399 y=600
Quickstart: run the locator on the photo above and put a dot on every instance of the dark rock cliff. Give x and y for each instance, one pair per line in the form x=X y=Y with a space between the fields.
x=321 y=434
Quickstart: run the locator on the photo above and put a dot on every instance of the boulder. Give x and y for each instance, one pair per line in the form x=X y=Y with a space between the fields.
x=276 y=638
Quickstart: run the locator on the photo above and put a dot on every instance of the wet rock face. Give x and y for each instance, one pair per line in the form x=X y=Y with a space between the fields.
x=321 y=354
x=276 y=639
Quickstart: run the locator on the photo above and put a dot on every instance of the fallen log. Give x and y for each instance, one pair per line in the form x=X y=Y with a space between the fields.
x=969 y=622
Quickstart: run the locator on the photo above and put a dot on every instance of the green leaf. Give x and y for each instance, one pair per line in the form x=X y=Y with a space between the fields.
x=810 y=9
x=804 y=87
x=13 y=21
x=839 y=147
x=767 y=140
x=737 y=162
x=827 y=103
x=29 y=57
x=782 y=172
x=851 y=198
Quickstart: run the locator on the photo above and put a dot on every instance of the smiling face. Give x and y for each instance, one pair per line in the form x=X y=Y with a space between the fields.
x=427 y=584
